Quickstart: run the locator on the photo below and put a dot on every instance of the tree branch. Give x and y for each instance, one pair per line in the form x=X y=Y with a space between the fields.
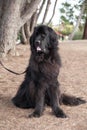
x=29 y=10
x=41 y=7
x=46 y=11
x=53 y=12
x=33 y=21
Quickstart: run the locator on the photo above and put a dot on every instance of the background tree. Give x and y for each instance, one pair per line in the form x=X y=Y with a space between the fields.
x=67 y=13
x=85 y=25
x=85 y=30
x=71 y=36
x=46 y=11
x=54 y=9
x=69 y=17
x=46 y=5
x=13 y=15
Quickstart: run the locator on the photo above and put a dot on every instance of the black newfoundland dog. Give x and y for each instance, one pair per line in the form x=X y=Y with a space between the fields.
x=40 y=86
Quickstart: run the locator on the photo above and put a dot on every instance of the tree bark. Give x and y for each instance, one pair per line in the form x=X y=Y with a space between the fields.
x=8 y=25
x=71 y=36
x=85 y=30
x=13 y=15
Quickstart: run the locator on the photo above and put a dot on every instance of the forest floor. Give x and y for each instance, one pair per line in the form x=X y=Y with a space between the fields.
x=72 y=78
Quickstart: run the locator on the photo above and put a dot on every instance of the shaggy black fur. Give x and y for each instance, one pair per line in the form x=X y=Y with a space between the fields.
x=40 y=85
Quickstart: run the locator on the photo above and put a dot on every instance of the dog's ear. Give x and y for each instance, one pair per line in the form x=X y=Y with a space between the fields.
x=53 y=38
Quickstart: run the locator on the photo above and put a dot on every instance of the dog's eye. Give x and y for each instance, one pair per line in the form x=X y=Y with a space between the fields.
x=43 y=35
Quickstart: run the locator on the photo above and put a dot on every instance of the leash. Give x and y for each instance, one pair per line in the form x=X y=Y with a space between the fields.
x=11 y=70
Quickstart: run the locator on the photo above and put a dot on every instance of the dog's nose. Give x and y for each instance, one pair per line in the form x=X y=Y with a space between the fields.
x=37 y=42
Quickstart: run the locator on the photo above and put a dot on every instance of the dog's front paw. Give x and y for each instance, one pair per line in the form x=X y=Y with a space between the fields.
x=35 y=114
x=59 y=113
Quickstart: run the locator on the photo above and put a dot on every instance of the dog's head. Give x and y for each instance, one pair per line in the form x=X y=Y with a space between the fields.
x=43 y=40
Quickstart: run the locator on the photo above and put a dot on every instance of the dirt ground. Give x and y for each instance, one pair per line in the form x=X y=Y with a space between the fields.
x=72 y=78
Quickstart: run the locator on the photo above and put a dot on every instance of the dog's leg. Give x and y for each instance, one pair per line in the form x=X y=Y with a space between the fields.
x=20 y=99
x=54 y=98
x=39 y=101
x=39 y=104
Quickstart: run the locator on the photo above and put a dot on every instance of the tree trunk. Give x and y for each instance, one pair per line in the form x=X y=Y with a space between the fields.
x=8 y=25
x=71 y=36
x=85 y=30
x=13 y=15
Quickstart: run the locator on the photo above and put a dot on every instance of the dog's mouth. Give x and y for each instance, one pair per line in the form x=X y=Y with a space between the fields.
x=39 y=50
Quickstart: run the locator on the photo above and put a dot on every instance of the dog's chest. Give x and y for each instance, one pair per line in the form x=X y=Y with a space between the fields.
x=49 y=70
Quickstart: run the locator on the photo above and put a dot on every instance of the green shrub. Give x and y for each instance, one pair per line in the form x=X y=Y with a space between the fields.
x=78 y=36
x=65 y=29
